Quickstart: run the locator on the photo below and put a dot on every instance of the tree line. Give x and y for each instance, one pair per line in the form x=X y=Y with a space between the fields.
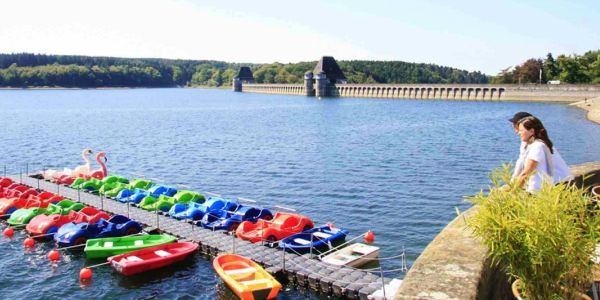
x=40 y=70
x=578 y=69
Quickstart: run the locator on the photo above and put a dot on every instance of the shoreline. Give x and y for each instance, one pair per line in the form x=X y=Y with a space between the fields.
x=592 y=106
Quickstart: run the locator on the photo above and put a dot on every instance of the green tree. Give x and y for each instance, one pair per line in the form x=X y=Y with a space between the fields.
x=572 y=70
x=550 y=67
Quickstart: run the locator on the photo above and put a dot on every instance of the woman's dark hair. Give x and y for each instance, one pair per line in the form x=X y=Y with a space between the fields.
x=539 y=132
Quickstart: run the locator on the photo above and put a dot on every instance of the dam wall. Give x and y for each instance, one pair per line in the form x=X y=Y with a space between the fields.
x=284 y=89
x=473 y=92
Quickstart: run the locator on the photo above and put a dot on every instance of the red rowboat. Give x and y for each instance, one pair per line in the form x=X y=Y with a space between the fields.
x=151 y=258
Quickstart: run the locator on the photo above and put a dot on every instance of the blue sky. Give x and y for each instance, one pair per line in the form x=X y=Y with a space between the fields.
x=474 y=35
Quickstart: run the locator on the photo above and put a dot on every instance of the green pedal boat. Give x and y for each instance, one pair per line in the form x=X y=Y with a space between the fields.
x=105 y=247
x=24 y=215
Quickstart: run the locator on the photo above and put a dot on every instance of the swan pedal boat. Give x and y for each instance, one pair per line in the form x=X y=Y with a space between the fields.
x=354 y=255
x=151 y=258
x=25 y=215
x=319 y=239
x=105 y=247
x=72 y=234
x=229 y=221
x=246 y=278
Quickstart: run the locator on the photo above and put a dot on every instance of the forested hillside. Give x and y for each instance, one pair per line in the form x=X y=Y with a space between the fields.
x=40 y=70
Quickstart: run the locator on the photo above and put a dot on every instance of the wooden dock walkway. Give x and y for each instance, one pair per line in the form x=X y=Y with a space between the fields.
x=299 y=270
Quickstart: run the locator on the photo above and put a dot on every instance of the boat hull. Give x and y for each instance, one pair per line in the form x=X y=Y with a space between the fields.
x=151 y=258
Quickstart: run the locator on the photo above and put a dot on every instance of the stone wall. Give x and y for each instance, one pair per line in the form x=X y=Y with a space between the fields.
x=455 y=264
x=286 y=89
x=478 y=92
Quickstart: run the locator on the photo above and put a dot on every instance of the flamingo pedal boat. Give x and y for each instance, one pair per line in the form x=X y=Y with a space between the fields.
x=246 y=278
x=105 y=247
x=47 y=225
x=25 y=215
x=318 y=239
x=151 y=258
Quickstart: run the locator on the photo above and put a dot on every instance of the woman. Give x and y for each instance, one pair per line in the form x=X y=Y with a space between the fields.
x=542 y=161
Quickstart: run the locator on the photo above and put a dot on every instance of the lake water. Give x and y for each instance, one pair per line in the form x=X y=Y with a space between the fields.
x=397 y=167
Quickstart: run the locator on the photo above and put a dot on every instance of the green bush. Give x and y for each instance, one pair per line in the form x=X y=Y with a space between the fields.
x=545 y=239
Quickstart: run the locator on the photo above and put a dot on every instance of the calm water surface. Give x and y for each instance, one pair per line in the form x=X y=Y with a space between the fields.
x=397 y=167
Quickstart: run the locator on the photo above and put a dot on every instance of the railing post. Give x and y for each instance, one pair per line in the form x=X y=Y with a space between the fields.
x=101 y=202
x=27 y=169
x=283 y=260
x=128 y=204
x=233 y=246
x=311 y=245
x=157 y=225
x=58 y=188
x=78 y=195
x=382 y=282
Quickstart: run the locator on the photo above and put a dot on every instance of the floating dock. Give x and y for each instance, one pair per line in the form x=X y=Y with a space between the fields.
x=302 y=271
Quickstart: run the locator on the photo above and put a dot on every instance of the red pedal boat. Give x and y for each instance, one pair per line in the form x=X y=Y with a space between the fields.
x=281 y=226
x=16 y=200
x=43 y=224
x=151 y=258
x=41 y=200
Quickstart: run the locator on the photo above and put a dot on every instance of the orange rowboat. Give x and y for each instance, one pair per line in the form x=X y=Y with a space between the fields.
x=247 y=279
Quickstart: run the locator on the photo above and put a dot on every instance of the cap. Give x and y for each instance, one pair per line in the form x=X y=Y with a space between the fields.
x=518 y=116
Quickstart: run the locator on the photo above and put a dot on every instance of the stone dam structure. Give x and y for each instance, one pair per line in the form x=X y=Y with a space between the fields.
x=328 y=80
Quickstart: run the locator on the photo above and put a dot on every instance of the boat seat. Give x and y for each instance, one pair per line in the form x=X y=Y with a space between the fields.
x=240 y=271
x=301 y=241
x=256 y=281
x=322 y=235
x=350 y=257
x=134 y=258
x=162 y=253
x=138 y=243
x=108 y=244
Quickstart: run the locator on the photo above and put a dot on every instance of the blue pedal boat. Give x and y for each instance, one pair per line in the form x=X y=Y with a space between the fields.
x=318 y=238
x=195 y=211
x=72 y=234
x=230 y=220
x=136 y=195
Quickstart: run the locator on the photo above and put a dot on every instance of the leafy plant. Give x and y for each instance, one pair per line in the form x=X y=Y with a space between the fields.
x=546 y=239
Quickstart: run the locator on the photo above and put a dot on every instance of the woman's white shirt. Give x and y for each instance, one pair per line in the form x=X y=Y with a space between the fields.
x=537 y=151
x=520 y=161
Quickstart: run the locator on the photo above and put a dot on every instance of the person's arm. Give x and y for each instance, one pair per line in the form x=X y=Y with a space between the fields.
x=530 y=166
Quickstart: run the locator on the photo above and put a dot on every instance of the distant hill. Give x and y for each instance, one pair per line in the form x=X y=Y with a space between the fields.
x=41 y=70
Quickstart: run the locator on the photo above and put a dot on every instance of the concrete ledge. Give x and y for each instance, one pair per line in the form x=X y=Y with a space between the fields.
x=455 y=264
